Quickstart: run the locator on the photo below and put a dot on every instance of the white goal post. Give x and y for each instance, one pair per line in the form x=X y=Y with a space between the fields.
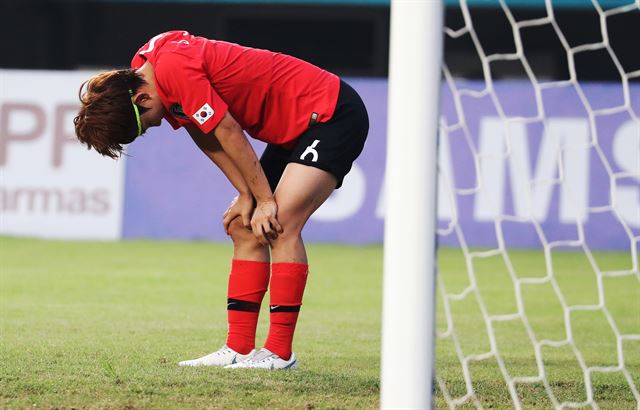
x=410 y=191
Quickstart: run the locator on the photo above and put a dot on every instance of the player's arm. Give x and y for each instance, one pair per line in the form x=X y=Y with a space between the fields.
x=185 y=81
x=242 y=205
x=236 y=146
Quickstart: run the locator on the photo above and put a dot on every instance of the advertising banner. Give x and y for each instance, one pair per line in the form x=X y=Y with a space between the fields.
x=50 y=185
x=514 y=168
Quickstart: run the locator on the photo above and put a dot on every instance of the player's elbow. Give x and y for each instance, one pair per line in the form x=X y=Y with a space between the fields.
x=228 y=127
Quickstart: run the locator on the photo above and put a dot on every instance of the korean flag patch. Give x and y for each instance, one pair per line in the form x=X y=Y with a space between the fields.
x=203 y=114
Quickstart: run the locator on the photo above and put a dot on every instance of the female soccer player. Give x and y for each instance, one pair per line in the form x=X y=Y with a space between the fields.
x=315 y=126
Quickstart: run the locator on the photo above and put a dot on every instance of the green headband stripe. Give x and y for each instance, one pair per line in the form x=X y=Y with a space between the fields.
x=135 y=108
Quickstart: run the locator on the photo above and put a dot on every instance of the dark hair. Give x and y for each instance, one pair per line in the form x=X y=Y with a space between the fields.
x=106 y=120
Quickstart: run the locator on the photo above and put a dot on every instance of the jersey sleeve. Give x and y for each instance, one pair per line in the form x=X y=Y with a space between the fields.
x=184 y=82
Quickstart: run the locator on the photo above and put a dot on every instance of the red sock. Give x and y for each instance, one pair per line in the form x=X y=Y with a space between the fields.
x=248 y=282
x=287 y=287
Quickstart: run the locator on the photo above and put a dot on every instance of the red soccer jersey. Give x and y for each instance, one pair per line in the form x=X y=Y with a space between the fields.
x=271 y=95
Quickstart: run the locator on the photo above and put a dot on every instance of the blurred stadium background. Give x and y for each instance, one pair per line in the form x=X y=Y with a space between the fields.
x=539 y=287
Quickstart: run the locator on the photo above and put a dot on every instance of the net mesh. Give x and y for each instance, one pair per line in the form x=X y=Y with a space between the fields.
x=557 y=327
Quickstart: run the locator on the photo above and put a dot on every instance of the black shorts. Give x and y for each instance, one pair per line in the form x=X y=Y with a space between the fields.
x=331 y=146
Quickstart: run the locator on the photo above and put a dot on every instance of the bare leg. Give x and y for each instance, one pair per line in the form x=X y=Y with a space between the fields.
x=248 y=282
x=302 y=189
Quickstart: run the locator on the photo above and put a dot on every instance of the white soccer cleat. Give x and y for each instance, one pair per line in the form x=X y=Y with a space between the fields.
x=223 y=357
x=266 y=359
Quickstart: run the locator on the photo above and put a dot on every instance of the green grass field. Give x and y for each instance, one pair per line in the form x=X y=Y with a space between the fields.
x=102 y=325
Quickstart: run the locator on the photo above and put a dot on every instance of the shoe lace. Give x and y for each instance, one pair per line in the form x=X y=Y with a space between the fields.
x=270 y=357
x=222 y=351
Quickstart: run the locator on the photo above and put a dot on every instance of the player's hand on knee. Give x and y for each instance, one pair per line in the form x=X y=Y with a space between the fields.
x=265 y=223
x=241 y=206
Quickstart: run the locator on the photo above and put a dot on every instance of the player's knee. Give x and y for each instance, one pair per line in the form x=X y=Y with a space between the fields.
x=290 y=233
x=239 y=234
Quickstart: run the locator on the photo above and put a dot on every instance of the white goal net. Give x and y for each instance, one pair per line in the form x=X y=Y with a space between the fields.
x=539 y=220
